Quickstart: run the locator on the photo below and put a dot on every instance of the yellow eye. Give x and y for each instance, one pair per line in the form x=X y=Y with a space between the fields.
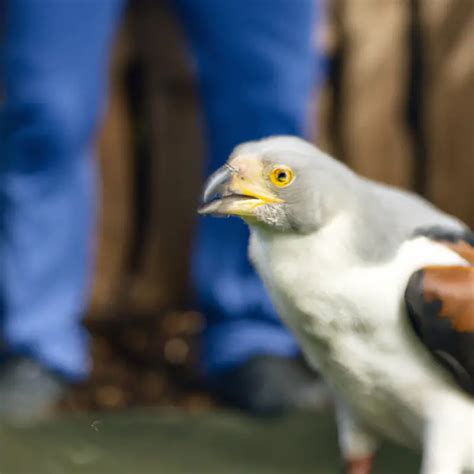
x=281 y=176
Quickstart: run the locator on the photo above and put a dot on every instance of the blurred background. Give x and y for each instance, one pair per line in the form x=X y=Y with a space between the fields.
x=393 y=98
x=397 y=105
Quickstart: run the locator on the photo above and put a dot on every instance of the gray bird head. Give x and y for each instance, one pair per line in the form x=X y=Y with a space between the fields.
x=281 y=182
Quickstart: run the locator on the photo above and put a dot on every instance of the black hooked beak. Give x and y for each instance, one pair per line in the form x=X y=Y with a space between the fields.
x=237 y=189
x=217 y=184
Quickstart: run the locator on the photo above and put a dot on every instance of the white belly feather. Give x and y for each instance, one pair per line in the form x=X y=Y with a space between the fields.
x=349 y=317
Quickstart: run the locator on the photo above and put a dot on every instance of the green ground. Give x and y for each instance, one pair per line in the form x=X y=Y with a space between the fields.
x=162 y=442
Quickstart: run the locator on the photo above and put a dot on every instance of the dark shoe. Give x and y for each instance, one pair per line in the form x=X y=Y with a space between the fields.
x=28 y=392
x=268 y=385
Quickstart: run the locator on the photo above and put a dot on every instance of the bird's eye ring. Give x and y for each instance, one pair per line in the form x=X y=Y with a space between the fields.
x=281 y=176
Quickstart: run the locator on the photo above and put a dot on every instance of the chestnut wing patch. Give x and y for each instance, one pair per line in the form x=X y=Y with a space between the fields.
x=440 y=303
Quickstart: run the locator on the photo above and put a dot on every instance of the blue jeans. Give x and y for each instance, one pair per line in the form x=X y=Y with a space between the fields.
x=256 y=71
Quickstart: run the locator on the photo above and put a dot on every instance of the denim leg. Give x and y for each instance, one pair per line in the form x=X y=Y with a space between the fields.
x=256 y=66
x=53 y=73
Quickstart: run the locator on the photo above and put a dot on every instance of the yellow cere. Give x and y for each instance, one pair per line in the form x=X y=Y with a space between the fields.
x=281 y=176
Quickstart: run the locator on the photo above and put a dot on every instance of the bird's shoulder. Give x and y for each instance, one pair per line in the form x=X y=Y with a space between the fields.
x=388 y=216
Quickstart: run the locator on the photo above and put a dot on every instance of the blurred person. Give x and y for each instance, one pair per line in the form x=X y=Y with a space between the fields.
x=256 y=67
x=53 y=74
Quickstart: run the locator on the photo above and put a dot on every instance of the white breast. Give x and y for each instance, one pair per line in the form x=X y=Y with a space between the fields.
x=349 y=317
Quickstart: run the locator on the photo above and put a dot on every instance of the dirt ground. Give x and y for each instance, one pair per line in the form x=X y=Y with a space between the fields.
x=170 y=442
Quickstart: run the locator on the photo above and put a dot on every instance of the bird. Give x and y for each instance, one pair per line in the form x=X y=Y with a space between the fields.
x=377 y=285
